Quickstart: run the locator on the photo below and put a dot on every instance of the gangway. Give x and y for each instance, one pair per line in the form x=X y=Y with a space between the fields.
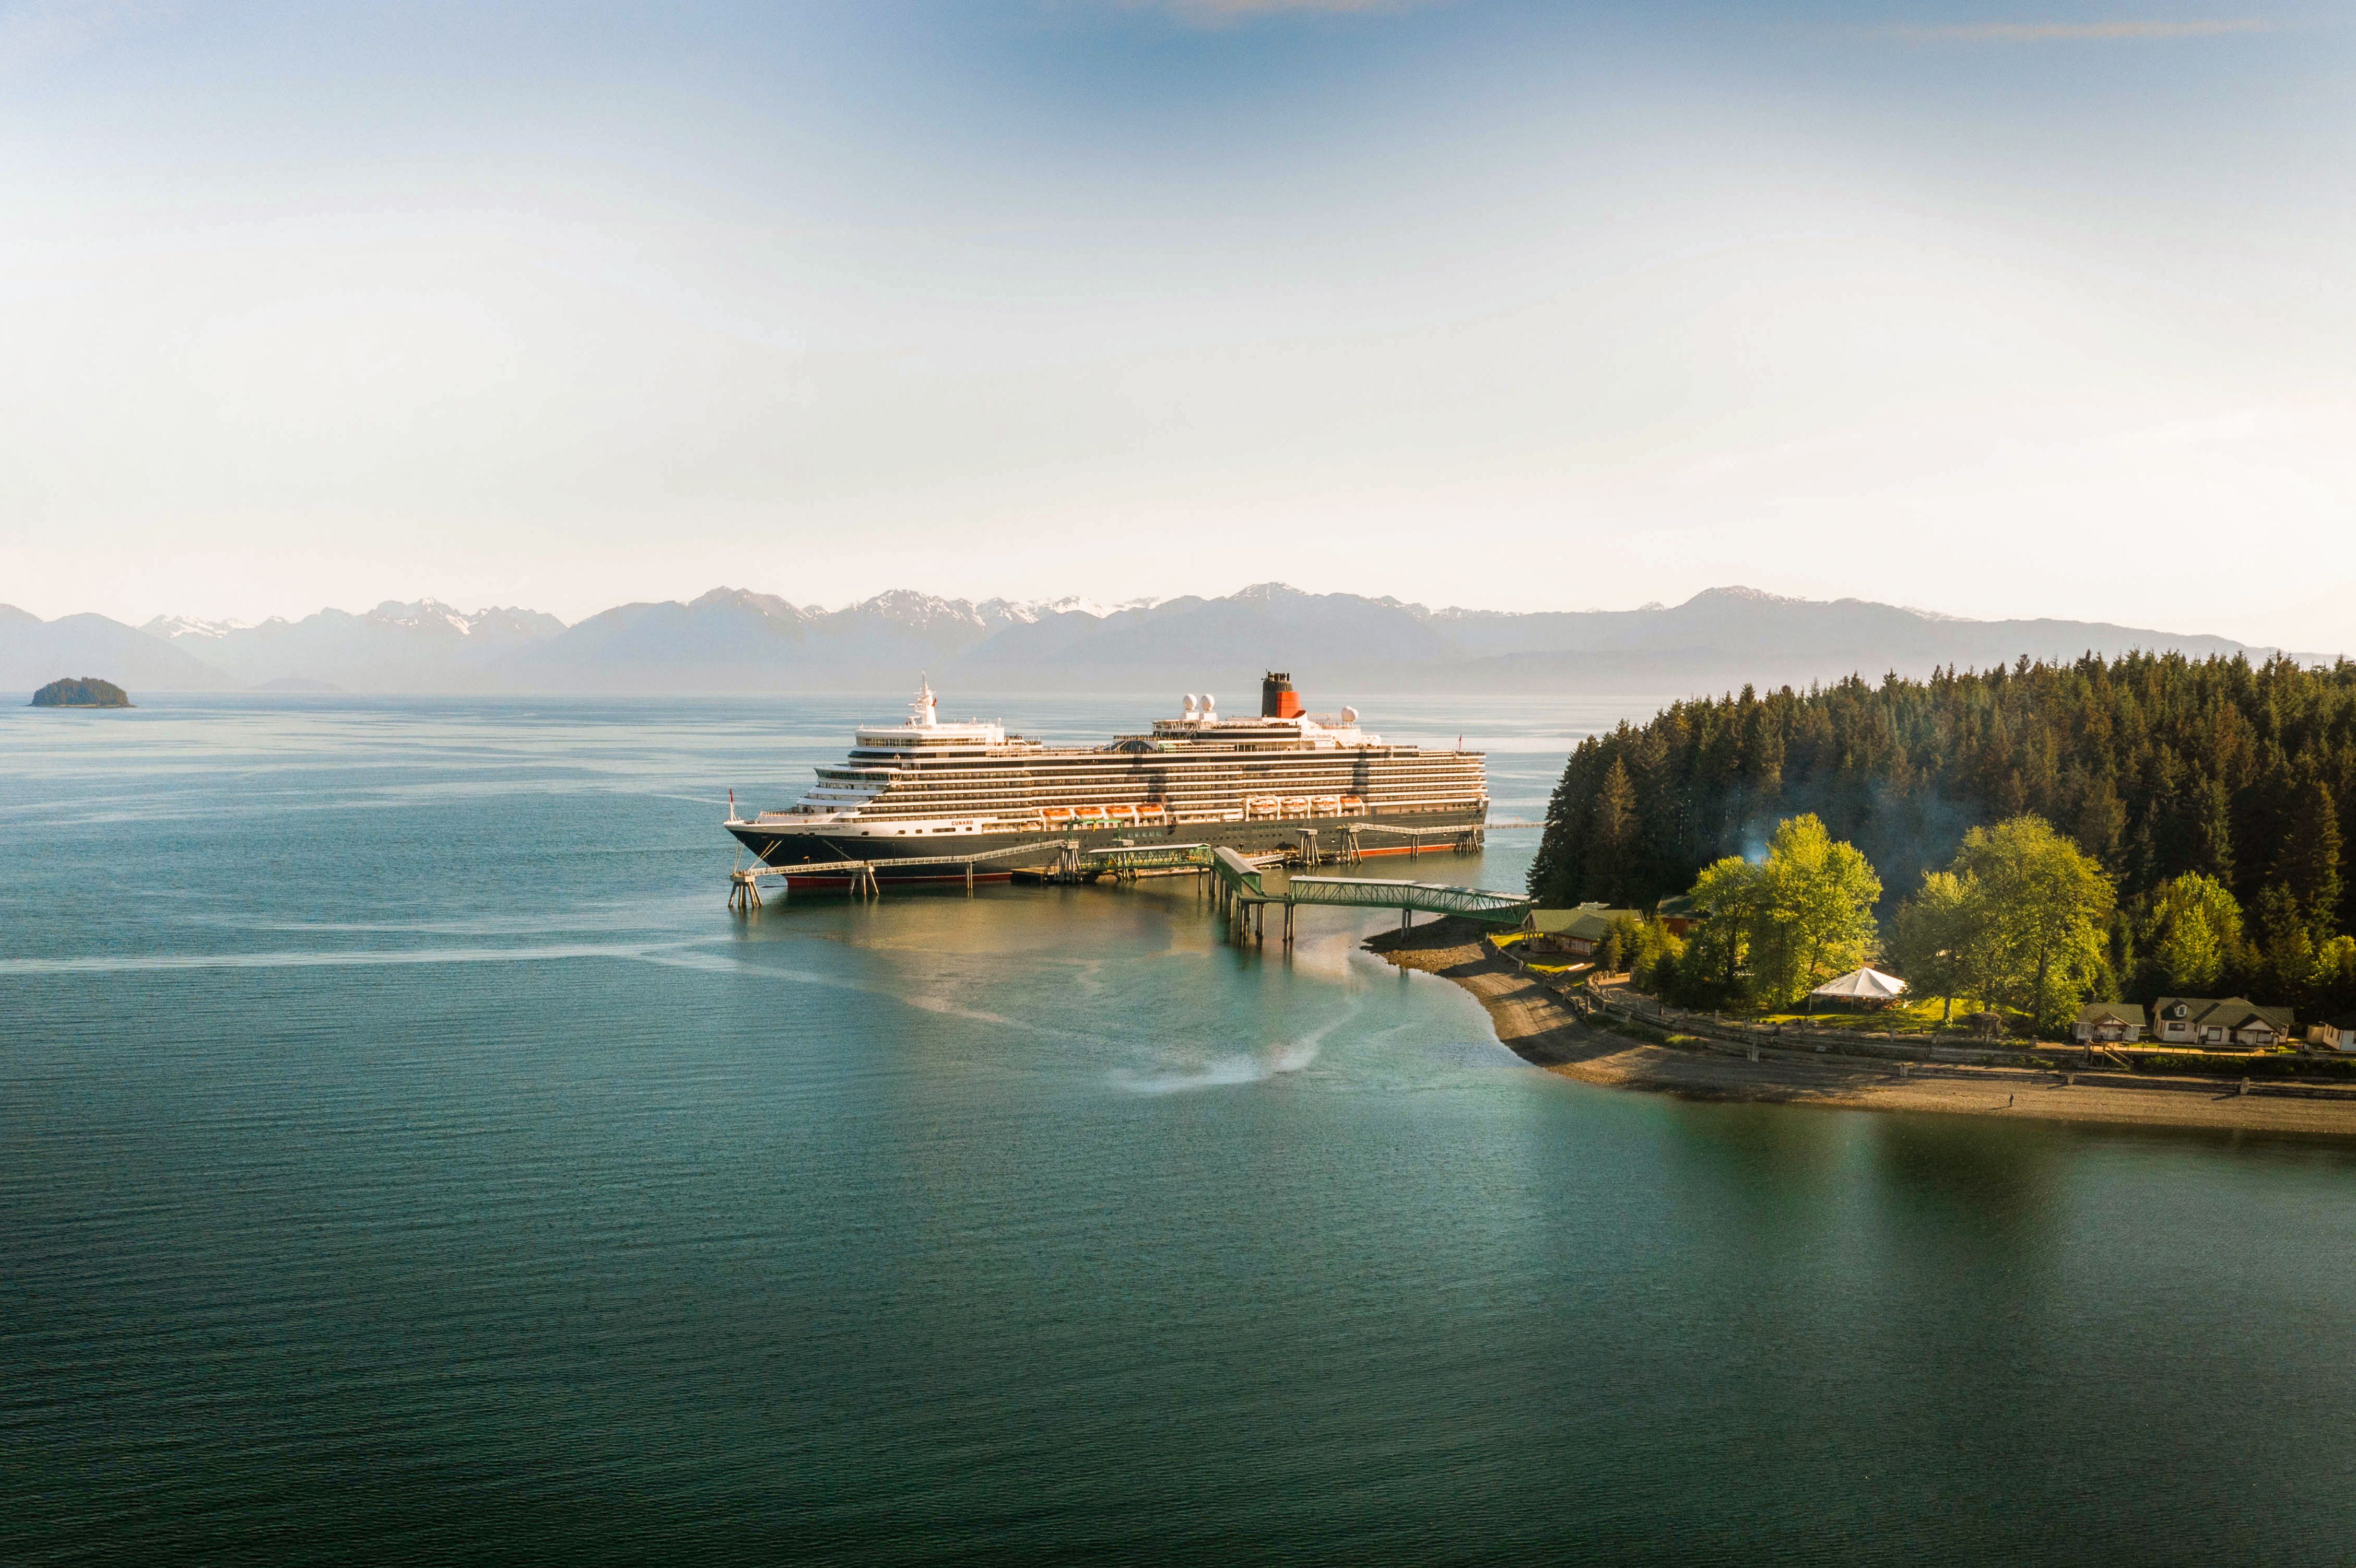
x=1246 y=902
x=1481 y=903
x=1125 y=861
x=1464 y=838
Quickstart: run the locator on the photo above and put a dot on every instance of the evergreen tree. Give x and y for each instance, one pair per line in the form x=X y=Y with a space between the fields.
x=2286 y=955
x=2210 y=829
x=2200 y=766
x=1612 y=845
x=2307 y=864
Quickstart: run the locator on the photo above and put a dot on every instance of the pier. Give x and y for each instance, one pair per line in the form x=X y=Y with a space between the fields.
x=1244 y=899
x=1048 y=861
x=1236 y=882
x=1341 y=846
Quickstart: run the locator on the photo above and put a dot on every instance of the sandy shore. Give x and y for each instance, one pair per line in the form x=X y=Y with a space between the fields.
x=1542 y=1031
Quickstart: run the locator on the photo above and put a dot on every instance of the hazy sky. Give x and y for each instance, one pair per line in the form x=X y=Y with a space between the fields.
x=2025 y=309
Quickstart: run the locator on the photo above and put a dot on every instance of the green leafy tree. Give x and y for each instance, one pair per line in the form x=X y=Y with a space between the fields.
x=2191 y=934
x=1932 y=938
x=1729 y=894
x=1814 y=916
x=2335 y=977
x=2042 y=906
x=1620 y=945
x=1657 y=952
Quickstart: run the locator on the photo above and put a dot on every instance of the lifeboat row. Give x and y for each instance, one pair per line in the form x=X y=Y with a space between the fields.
x=1274 y=808
x=1118 y=816
x=1257 y=808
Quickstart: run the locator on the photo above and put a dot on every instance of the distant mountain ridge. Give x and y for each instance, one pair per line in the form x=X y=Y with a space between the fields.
x=735 y=639
x=422 y=647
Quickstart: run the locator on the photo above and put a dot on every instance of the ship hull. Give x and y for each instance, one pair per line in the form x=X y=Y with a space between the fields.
x=806 y=856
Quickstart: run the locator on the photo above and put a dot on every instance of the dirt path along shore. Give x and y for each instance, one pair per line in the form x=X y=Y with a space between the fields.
x=1540 y=1029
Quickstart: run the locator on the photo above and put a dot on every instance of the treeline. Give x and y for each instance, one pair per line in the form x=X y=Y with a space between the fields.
x=89 y=691
x=2212 y=795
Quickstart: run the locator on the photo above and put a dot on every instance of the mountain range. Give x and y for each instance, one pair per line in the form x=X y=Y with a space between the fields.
x=732 y=639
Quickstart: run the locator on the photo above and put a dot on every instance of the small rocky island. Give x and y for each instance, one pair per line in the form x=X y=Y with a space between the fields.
x=90 y=692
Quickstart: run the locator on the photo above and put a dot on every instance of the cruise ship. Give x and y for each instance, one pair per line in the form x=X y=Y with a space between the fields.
x=925 y=790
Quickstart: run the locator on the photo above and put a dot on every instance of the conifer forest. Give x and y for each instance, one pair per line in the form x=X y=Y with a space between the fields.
x=2218 y=795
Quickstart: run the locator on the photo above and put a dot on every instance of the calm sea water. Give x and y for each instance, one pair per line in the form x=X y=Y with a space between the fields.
x=404 y=1154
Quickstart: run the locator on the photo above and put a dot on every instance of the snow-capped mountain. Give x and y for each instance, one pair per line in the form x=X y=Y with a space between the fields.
x=172 y=629
x=1336 y=644
x=424 y=645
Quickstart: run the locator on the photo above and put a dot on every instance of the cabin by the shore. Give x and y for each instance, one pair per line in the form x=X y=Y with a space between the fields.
x=2230 y=1023
x=2110 y=1023
x=1577 y=932
x=2334 y=1034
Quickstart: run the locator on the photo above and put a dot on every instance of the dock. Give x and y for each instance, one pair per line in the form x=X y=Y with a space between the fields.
x=1344 y=845
x=1236 y=882
x=1066 y=861
x=1244 y=899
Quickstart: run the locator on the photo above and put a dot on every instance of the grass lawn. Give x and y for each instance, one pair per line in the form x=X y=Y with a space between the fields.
x=1899 y=1017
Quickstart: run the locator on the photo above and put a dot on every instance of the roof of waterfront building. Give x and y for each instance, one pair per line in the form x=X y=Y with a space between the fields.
x=2232 y=1014
x=1590 y=922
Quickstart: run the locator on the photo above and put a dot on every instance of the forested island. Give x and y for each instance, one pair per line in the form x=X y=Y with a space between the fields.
x=2128 y=829
x=89 y=691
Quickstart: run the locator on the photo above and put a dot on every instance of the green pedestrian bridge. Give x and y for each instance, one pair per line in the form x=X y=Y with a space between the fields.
x=1244 y=897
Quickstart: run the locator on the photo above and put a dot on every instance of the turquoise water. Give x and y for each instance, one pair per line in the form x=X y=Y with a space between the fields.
x=404 y=1154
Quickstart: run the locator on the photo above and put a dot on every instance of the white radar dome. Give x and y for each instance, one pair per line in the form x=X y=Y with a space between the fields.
x=1190 y=704
x=1349 y=716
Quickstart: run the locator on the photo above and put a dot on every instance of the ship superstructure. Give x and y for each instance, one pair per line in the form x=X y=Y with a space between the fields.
x=925 y=788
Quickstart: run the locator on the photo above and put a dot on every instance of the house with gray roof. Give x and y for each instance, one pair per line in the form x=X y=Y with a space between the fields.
x=2232 y=1023
x=2110 y=1022
x=1578 y=931
x=2336 y=1034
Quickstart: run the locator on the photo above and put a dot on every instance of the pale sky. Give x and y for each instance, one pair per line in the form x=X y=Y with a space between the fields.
x=2030 y=308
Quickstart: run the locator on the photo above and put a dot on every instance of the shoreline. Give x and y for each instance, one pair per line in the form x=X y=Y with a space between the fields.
x=1534 y=1025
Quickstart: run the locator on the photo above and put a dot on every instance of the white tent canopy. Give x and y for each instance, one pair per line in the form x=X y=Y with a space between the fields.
x=1869 y=984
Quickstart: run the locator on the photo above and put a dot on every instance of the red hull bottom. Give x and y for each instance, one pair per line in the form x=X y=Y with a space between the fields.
x=897 y=880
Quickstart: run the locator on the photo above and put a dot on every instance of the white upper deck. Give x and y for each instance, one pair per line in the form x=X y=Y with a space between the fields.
x=925 y=731
x=1199 y=722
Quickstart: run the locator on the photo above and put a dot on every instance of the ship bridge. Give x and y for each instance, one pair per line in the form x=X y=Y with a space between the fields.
x=924 y=735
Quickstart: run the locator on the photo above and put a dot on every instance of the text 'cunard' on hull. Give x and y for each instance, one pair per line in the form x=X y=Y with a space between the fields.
x=929 y=791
